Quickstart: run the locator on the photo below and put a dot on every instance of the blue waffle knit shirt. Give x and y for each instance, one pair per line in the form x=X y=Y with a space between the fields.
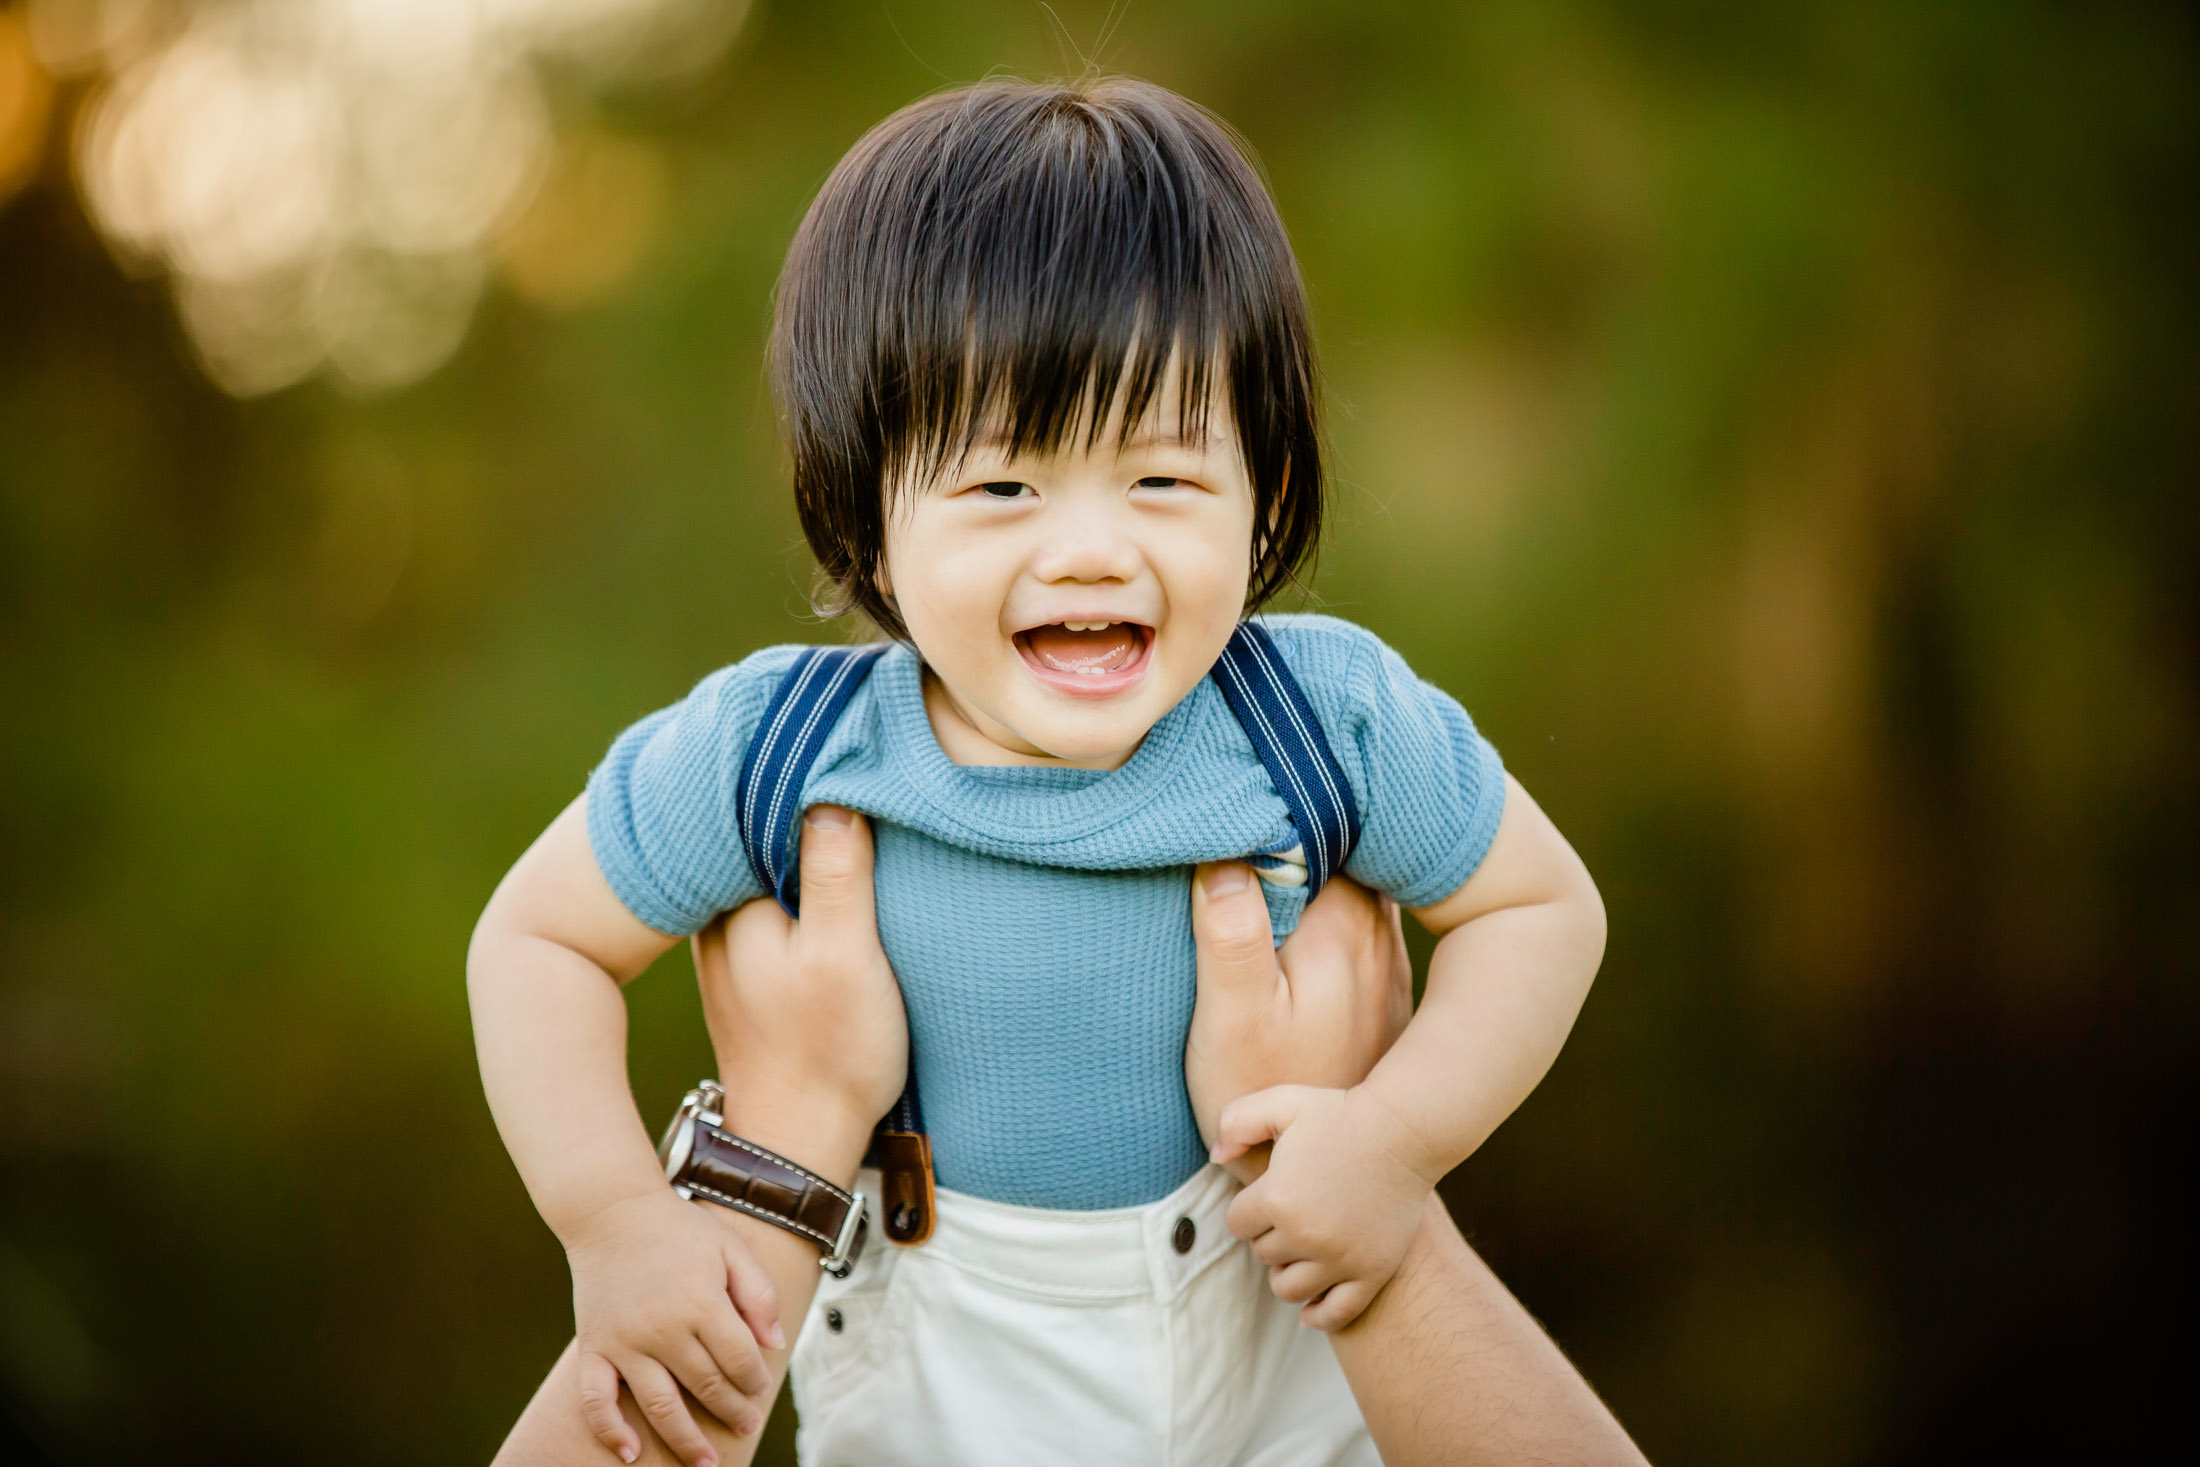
x=1039 y=919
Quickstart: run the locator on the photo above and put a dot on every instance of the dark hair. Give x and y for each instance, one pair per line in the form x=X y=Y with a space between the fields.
x=1025 y=258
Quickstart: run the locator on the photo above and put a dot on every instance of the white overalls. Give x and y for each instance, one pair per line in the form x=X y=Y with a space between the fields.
x=1022 y=1335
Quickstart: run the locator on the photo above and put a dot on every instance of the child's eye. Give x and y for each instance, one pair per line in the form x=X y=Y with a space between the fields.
x=1005 y=489
x=1158 y=481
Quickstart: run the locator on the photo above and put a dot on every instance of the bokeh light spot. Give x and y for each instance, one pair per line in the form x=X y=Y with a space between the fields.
x=325 y=180
x=593 y=219
x=26 y=100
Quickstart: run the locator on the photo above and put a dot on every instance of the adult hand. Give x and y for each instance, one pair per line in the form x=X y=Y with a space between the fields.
x=815 y=1026
x=1320 y=1011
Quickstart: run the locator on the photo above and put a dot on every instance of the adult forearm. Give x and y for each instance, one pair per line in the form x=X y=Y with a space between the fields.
x=550 y=1031
x=1502 y=994
x=1449 y=1368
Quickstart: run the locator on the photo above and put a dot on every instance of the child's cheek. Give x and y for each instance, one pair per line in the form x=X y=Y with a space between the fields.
x=950 y=585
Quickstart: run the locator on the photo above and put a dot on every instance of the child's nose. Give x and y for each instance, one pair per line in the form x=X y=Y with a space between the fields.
x=1087 y=548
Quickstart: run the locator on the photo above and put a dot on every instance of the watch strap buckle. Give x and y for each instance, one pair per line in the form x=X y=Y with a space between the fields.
x=848 y=1247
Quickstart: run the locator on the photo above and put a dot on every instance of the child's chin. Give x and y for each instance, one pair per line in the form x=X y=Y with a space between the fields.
x=1098 y=736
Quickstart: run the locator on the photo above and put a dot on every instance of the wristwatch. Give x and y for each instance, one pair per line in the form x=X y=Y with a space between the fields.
x=703 y=1159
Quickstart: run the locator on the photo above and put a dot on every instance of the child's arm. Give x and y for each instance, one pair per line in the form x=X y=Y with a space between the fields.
x=812 y=1045
x=655 y=1283
x=1351 y=1170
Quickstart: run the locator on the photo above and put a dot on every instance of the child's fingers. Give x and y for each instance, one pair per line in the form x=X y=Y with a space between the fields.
x=1251 y=1119
x=727 y=1337
x=600 y=1405
x=1248 y=1218
x=1275 y=1250
x=1251 y=1166
x=1339 y=1307
x=1300 y=1282
x=697 y=1369
x=755 y=1295
x=658 y=1395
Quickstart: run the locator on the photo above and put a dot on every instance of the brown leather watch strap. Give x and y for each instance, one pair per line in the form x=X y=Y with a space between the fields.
x=720 y=1167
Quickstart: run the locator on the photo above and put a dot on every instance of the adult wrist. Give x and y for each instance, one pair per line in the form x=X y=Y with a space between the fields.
x=824 y=1132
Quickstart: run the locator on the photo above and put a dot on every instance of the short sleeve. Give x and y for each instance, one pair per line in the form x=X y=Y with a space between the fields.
x=1430 y=788
x=661 y=805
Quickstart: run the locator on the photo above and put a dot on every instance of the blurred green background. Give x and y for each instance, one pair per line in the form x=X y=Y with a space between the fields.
x=1775 y=422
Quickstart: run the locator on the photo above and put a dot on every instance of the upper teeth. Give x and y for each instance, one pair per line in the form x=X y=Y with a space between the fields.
x=1088 y=626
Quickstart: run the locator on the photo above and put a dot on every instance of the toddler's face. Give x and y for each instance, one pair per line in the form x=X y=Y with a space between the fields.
x=1064 y=602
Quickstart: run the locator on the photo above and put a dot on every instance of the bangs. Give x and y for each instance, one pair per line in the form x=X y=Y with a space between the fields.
x=1043 y=290
x=1034 y=263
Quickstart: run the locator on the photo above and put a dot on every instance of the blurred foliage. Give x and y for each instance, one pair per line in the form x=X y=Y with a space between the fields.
x=1775 y=422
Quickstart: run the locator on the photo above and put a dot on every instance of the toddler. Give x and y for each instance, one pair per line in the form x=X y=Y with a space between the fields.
x=1044 y=365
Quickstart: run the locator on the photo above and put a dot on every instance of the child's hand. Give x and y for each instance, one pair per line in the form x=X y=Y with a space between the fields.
x=1340 y=1201
x=665 y=1297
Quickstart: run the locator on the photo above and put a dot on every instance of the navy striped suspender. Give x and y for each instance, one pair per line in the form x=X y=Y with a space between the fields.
x=808 y=702
x=1277 y=717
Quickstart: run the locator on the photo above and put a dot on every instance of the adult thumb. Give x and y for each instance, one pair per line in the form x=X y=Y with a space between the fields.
x=836 y=869
x=1237 y=947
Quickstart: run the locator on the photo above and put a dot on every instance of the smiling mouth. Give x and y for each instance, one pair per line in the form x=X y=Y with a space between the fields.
x=1086 y=656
